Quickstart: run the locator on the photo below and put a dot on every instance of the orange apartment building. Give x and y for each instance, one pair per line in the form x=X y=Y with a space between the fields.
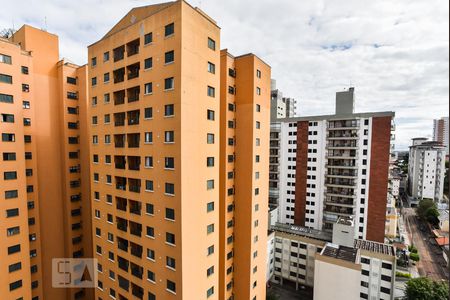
x=152 y=158
x=45 y=210
x=179 y=135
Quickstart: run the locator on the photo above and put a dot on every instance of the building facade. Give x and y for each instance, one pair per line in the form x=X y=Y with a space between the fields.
x=44 y=191
x=179 y=189
x=426 y=170
x=440 y=132
x=335 y=264
x=332 y=166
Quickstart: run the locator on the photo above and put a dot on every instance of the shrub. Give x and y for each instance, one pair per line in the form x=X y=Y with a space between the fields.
x=414 y=256
x=403 y=275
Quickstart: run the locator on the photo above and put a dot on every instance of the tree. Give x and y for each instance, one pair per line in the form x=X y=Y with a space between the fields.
x=423 y=288
x=432 y=215
x=423 y=206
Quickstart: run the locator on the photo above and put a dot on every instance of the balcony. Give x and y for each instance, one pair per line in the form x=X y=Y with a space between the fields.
x=121 y=183
x=123 y=263
x=119 y=97
x=133 y=117
x=133 y=140
x=119 y=162
x=119 y=119
x=134 y=163
x=342 y=134
x=136 y=270
x=341 y=163
x=340 y=182
x=119 y=53
x=342 y=144
x=137 y=291
x=136 y=250
x=122 y=224
x=134 y=185
x=119 y=140
x=119 y=75
x=133 y=71
x=122 y=244
x=341 y=173
x=75 y=183
x=121 y=203
x=135 y=228
x=345 y=211
x=343 y=124
x=133 y=48
x=341 y=154
x=341 y=192
x=133 y=94
x=135 y=207
x=339 y=201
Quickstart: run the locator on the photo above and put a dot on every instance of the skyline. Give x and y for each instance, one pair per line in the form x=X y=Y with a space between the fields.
x=397 y=52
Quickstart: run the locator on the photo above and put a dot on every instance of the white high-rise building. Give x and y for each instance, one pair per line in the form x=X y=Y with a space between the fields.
x=440 y=132
x=331 y=166
x=426 y=170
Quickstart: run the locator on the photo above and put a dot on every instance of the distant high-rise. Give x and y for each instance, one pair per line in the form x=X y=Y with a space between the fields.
x=324 y=167
x=440 y=132
x=281 y=107
x=426 y=170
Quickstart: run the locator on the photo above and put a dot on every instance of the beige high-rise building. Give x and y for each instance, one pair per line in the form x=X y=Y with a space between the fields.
x=179 y=135
x=44 y=193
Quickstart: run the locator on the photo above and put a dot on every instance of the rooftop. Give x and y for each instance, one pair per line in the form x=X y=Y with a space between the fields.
x=375 y=247
x=302 y=231
x=340 y=252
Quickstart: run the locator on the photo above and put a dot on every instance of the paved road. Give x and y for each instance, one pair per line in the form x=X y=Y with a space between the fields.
x=431 y=262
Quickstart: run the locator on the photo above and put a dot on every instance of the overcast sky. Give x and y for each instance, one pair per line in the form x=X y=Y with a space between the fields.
x=395 y=52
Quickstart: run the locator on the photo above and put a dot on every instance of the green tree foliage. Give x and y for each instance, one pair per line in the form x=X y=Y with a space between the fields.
x=423 y=288
x=432 y=214
x=414 y=256
x=427 y=211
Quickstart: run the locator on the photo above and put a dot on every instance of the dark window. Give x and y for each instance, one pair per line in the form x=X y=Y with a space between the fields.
x=169 y=57
x=9 y=156
x=170 y=214
x=148 y=113
x=148 y=63
x=385 y=290
x=148 y=38
x=169 y=29
x=13 y=249
x=169 y=83
x=170 y=188
x=6 y=98
x=5 y=78
x=15 y=285
x=169 y=110
x=211 y=44
x=169 y=163
x=210 y=115
x=71 y=80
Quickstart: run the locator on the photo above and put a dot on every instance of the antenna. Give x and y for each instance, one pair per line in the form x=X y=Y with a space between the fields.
x=45 y=23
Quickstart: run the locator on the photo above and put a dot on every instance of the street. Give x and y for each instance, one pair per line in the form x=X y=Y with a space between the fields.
x=431 y=262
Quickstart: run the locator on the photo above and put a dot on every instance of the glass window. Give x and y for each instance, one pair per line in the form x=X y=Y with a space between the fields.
x=148 y=88
x=211 y=91
x=169 y=29
x=169 y=57
x=148 y=38
x=169 y=83
x=148 y=63
x=211 y=68
x=211 y=44
x=169 y=110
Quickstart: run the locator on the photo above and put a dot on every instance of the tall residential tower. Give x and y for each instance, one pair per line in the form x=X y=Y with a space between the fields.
x=179 y=135
x=44 y=192
x=332 y=166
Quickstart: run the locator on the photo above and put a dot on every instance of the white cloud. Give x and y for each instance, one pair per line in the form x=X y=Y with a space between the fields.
x=397 y=56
